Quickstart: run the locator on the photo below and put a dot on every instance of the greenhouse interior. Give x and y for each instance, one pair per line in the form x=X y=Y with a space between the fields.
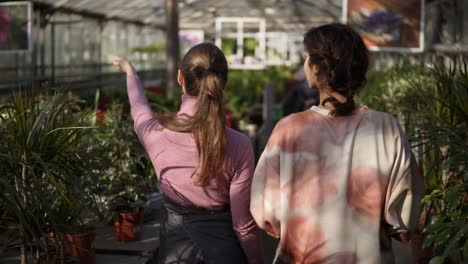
x=79 y=182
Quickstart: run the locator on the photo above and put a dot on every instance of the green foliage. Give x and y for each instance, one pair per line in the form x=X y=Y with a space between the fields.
x=447 y=233
x=244 y=90
x=228 y=46
x=40 y=164
x=59 y=166
x=444 y=133
x=394 y=90
x=155 y=48
x=432 y=102
x=160 y=104
x=122 y=172
x=249 y=46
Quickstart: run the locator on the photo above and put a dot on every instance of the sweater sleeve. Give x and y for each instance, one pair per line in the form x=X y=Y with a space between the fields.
x=405 y=189
x=266 y=193
x=139 y=107
x=243 y=223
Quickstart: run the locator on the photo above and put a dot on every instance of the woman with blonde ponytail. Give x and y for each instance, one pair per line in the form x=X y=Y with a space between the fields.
x=204 y=169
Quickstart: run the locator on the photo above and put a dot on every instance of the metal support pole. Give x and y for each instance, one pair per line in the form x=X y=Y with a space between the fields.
x=99 y=55
x=42 y=27
x=52 y=53
x=35 y=36
x=172 y=46
x=268 y=114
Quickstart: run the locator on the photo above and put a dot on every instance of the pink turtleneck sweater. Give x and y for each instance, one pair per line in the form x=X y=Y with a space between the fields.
x=174 y=156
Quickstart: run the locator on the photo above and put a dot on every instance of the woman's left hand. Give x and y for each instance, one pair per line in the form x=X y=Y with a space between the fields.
x=123 y=65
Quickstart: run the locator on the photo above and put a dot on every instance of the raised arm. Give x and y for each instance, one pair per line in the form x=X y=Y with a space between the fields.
x=140 y=109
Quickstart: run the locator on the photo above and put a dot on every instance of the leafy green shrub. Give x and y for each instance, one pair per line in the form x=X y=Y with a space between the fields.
x=40 y=164
x=122 y=171
x=244 y=91
x=432 y=103
x=159 y=103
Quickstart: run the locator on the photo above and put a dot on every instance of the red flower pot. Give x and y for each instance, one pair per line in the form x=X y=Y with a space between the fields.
x=128 y=227
x=81 y=246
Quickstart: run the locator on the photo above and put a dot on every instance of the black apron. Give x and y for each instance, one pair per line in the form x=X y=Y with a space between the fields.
x=197 y=235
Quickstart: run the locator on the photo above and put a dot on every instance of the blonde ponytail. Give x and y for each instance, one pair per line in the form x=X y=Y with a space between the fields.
x=205 y=71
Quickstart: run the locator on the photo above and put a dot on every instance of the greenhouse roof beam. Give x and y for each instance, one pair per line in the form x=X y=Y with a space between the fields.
x=102 y=16
x=200 y=14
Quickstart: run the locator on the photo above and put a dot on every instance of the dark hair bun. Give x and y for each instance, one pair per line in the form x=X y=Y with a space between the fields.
x=342 y=58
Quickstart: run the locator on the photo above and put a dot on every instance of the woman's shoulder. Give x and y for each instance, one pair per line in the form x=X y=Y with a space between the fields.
x=381 y=116
x=296 y=121
x=236 y=137
x=238 y=143
x=386 y=122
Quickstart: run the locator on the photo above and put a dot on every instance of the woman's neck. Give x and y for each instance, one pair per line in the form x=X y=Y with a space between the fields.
x=327 y=105
x=327 y=92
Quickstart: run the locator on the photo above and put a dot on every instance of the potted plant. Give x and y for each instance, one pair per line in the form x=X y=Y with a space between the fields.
x=69 y=228
x=124 y=173
x=38 y=152
x=128 y=226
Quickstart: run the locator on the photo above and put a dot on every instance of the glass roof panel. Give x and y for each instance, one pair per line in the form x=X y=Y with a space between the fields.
x=281 y=15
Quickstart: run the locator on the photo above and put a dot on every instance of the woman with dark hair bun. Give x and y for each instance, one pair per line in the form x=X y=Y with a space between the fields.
x=337 y=181
x=336 y=65
x=204 y=169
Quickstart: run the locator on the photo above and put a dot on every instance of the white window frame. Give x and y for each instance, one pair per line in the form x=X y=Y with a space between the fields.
x=239 y=35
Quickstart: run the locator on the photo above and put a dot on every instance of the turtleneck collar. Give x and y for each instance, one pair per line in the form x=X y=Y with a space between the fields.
x=189 y=105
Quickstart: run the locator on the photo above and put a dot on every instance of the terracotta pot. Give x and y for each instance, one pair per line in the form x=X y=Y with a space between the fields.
x=128 y=227
x=80 y=245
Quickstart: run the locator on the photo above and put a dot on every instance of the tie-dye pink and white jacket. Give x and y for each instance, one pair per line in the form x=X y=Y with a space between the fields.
x=329 y=187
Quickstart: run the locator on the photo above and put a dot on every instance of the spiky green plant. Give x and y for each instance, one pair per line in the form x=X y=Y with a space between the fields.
x=432 y=103
x=444 y=135
x=40 y=164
